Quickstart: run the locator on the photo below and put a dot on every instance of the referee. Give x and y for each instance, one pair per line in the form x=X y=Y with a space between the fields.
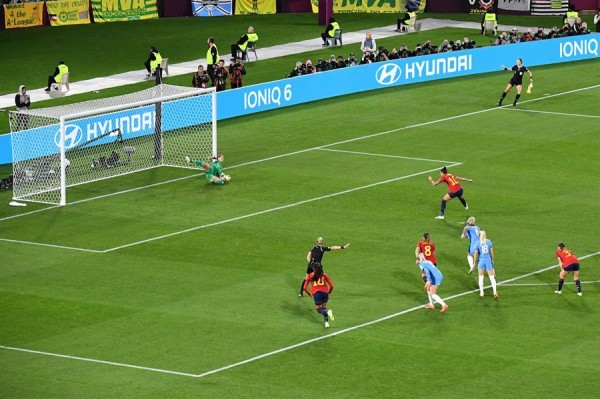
x=315 y=255
x=518 y=71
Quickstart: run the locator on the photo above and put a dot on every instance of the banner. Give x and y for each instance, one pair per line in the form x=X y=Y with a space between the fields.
x=211 y=8
x=514 y=5
x=478 y=6
x=374 y=6
x=23 y=15
x=245 y=7
x=549 y=7
x=68 y=12
x=123 y=10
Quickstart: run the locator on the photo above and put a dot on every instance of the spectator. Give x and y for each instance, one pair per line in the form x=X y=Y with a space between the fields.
x=56 y=77
x=236 y=73
x=539 y=35
x=200 y=79
x=597 y=20
x=154 y=60
x=242 y=44
x=220 y=81
x=368 y=43
x=329 y=31
x=212 y=57
x=405 y=20
x=22 y=101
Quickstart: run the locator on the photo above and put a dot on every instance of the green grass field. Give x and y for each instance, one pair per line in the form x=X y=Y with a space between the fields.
x=179 y=289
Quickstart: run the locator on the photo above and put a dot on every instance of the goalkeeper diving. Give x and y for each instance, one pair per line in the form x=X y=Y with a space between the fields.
x=213 y=170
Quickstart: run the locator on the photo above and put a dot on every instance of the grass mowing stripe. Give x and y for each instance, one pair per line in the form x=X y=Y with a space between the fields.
x=284 y=349
x=552 y=113
x=310 y=149
x=385 y=155
x=278 y=208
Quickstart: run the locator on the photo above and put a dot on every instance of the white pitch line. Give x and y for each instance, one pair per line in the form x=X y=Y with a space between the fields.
x=277 y=208
x=311 y=149
x=51 y=245
x=552 y=113
x=385 y=155
x=547 y=284
x=85 y=359
x=284 y=349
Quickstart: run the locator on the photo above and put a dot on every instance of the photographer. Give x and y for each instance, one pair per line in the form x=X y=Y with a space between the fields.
x=553 y=33
x=404 y=51
x=418 y=50
x=382 y=55
x=322 y=65
x=394 y=55
x=220 y=76
x=333 y=62
x=309 y=68
x=527 y=36
x=428 y=48
x=539 y=35
x=597 y=20
x=297 y=71
x=445 y=46
x=341 y=62
x=368 y=58
x=351 y=61
x=236 y=73
x=200 y=79
x=468 y=44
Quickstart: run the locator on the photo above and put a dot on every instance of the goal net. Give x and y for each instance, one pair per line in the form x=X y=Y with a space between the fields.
x=60 y=147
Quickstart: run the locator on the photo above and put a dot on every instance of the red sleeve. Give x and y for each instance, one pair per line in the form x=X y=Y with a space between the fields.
x=307 y=282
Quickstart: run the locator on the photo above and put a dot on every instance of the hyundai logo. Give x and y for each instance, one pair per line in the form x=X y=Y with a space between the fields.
x=73 y=136
x=388 y=74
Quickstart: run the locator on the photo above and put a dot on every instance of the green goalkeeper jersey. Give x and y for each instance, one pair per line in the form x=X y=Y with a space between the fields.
x=216 y=168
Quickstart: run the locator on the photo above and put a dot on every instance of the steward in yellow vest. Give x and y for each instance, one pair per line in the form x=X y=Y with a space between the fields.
x=212 y=58
x=242 y=44
x=489 y=16
x=56 y=77
x=154 y=60
x=329 y=31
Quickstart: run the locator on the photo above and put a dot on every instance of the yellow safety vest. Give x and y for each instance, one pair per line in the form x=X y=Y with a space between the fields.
x=572 y=14
x=490 y=16
x=252 y=37
x=209 y=59
x=336 y=26
x=156 y=62
x=412 y=15
x=62 y=69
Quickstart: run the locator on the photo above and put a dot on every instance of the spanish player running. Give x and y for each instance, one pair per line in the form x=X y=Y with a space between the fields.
x=315 y=255
x=518 y=71
x=427 y=248
x=321 y=286
x=484 y=257
x=213 y=170
x=568 y=263
x=434 y=279
x=472 y=232
x=454 y=187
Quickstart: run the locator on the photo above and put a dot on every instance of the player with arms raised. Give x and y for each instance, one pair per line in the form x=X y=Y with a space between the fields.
x=213 y=170
x=472 y=232
x=568 y=263
x=517 y=80
x=427 y=248
x=320 y=288
x=454 y=187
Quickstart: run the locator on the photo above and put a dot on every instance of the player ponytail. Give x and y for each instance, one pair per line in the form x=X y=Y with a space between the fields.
x=318 y=271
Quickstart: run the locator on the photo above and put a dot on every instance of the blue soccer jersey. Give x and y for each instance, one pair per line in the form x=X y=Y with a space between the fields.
x=433 y=274
x=473 y=235
x=485 y=257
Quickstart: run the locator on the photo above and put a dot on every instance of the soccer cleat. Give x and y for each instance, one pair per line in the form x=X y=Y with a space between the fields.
x=579 y=294
x=499 y=104
x=326 y=324
x=514 y=104
x=444 y=308
x=300 y=294
x=481 y=294
x=558 y=292
x=187 y=159
x=330 y=314
x=467 y=206
x=471 y=270
x=430 y=306
x=496 y=296
x=441 y=217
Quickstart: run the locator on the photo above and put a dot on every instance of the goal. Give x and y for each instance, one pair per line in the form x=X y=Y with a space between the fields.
x=65 y=146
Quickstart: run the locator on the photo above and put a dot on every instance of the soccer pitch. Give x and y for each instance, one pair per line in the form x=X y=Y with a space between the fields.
x=157 y=285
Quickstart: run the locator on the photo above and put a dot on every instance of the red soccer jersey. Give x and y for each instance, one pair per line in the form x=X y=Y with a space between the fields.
x=428 y=250
x=451 y=181
x=566 y=256
x=323 y=284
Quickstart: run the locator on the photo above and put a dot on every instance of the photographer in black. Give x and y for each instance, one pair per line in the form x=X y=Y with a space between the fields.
x=429 y=48
x=382 y=54
x=322 y=65
x=341 y=62
x=236 y=73
x=200 y=79
x=539 y=35
x=368 y=58
x=220 y=76
x=393 y=55
x=351 y=61
x=404 y=51
x=333 y=62
x=297 y=71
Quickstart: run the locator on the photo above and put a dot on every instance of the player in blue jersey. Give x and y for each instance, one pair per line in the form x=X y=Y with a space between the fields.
x=484 y=257
x=471 y=231
x=434 y=279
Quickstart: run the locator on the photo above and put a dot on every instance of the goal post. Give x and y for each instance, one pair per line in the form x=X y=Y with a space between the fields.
x=61 y=147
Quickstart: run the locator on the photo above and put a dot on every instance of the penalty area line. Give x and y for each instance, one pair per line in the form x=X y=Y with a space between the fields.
x=41 y=244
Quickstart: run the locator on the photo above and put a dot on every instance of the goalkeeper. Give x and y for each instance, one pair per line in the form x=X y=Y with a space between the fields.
x=213 y=170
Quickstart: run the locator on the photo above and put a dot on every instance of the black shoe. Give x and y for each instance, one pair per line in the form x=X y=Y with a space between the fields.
x=499 y=104
x=48 y=89
x=514 y=104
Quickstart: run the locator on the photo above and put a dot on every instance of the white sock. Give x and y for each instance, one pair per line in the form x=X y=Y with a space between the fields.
x=430 y=300
x=437 y=298
x=481 y=284
x=470 y=260
x=493 y=280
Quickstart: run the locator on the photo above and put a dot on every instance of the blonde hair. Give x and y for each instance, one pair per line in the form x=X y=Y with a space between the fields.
x=471 y=221
x=482 y=236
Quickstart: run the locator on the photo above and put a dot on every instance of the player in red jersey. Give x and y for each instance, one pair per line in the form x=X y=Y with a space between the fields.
x=568 y=263
x=321 y=286
x=427 y=248
x=454 y=187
